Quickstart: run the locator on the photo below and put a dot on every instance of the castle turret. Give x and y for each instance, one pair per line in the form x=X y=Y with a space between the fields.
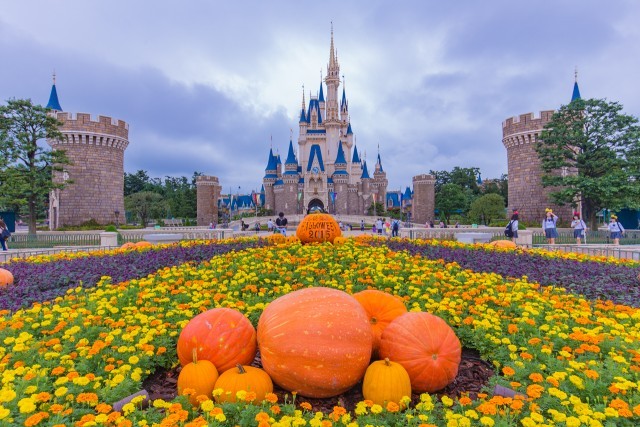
x=340 y=179
x=95 y=148
x=424 y=198
x=207 y=192
x=53 y=103
x=270 y=178
x=380 y=182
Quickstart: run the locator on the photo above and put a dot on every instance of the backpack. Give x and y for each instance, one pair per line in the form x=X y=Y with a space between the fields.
x=508 y=231
x=5 y=234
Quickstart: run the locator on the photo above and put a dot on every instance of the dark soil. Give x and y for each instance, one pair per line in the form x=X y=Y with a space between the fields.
x=473 y=374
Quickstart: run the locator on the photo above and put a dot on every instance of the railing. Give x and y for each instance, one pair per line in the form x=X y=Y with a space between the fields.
x=26 y=253
x=609 y=251
x=53 y=239
x=602 y=237
x=188 y=233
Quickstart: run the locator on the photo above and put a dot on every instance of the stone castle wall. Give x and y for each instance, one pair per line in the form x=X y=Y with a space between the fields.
x=208 y=191
x=526 y=193
x=424 y=198
x=95 y=149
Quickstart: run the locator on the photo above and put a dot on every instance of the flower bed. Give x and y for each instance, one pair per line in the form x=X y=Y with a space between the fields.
x=594 y=277
x=66 y=362
x=45 y=277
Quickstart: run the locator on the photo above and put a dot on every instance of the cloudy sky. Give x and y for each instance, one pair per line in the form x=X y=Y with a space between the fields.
x=206 y=85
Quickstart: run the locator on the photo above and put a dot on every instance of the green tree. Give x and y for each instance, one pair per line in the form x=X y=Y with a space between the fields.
x=26 y=175
x=498 y=186
x=466 y=178
x=590 y=153
x=449 y=199
x=145 y=205
x=137 y=182
x=486 y=208
x=375 y=210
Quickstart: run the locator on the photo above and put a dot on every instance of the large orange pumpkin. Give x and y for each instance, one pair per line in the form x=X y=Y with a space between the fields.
x=200 y=376
x=426 y=347
x=318 y=227
x=315 y=341
x=386 y=381
x=381 y=308
x=6 y=278
x=503 y=244
x=128 y=245
x=222 y=336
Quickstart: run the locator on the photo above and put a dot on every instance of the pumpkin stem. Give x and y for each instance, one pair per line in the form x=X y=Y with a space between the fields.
x=374 y=320
x=240 y=369
x=194 y=354
x=387 y=361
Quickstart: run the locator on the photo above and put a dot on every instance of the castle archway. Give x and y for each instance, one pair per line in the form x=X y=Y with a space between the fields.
x=315 y=205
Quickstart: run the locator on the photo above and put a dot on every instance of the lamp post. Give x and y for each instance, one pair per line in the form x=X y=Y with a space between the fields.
x=117 y=214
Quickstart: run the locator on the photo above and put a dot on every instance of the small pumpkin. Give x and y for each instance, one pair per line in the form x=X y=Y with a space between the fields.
x=381 y=308
x=6 y=277
x=247 y=378
x=199 y=375
x=426 y=347
x=318 y=227
x=223 y=336
x=128 y=245
x=503 y=244
x=315 y=341
x=143 y=244
x=386 y=381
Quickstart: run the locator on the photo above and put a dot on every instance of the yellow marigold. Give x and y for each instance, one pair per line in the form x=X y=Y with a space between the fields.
x=486 y=421
x=376 y=409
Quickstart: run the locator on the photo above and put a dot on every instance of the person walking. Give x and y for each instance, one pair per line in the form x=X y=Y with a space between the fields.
x=379 y=226
x=549 y=226
x=616 y=229
x=362 y=225
x=270 y=225
x=281 y=223
x=4 y=234
x=579 y=228
x=513 y=226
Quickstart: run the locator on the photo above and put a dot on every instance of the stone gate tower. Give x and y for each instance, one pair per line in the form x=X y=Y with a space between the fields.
x=526 y=192
x=95 y=148
x=424 y=198
x=208 y=191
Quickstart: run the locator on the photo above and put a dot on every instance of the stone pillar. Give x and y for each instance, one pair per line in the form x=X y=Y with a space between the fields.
x=424 y=198
x=208 y=191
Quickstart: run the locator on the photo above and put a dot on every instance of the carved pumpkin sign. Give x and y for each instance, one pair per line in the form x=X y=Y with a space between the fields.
x=318 y=227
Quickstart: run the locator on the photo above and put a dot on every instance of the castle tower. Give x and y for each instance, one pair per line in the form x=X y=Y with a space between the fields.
x=526 y=192
x=380 y=182
x=290 y=178
x=208 y=192
x=95 y=148
x=340 y=179
x=270 y=178
x=424 y=198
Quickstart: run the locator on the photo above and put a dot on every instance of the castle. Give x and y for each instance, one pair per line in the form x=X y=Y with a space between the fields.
x=327 y=173
x=95 y=175
x=526 y=192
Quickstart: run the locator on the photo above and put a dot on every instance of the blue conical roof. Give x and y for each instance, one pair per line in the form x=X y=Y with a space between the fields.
x=340 y=160
x=576 y=92
x=321 y=96
x=356 y=158
x=380 y=163
x=315 y=153
x=365 y=171
x=303 y=117
x=343 y=104
x=349 y=131
x=53 y=103
x=291 y=156
x=479 y=180
x=271 y=163
x=407 y=193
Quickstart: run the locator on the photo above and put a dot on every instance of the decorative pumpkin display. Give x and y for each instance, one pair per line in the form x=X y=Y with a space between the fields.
x=318 y=227
x=315 y=341
x=222 y=336
x=381 y=308
x=386 y=381
x=245 y=378
x=199 y=375
x=128 y=245
x=338 y=241
x=503 y=244
x=6 y=277
x=142 y=244
x=425 y=346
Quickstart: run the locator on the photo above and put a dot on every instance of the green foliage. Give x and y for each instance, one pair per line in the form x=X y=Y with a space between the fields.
x=466 y=178
x=111 y=228
x=145 y=205
x=486 y=208
x=26 y=166
x=376 y=210
x=450 y=198
x=498 y=186
x=590 y=151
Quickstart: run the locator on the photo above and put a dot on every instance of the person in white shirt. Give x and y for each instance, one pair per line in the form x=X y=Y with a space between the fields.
x=616 y=229
x=549 y=226
x=514 y=226
x=579 y=228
